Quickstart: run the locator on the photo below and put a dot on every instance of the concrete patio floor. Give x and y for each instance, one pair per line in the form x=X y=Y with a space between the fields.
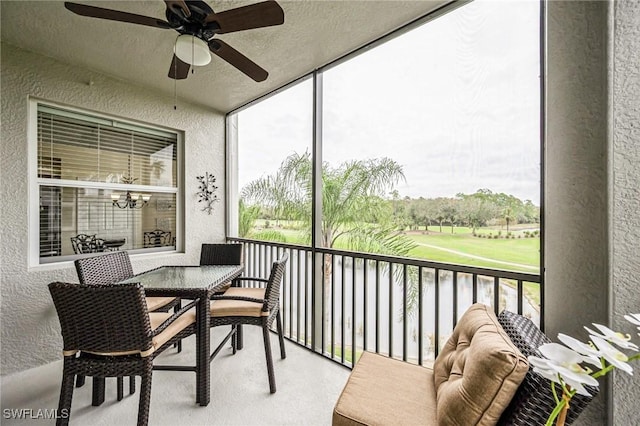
x=307 y=388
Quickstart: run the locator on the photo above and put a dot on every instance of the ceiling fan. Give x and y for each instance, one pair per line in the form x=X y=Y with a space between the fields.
x=198 y=24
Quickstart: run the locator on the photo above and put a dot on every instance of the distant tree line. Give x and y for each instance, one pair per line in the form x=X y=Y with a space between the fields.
x=483 y=208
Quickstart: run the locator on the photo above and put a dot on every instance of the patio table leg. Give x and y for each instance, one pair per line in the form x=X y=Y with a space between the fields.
x=203 y=343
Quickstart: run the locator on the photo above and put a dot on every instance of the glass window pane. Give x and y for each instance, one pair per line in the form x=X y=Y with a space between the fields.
x=274 y=167
x=89 y=217
x=68 y=213
x=431 y=141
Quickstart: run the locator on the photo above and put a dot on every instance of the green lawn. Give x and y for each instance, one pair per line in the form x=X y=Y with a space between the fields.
x=523 y=251
x=460 y=247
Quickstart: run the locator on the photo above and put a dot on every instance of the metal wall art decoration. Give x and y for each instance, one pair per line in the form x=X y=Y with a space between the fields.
x=206 y=193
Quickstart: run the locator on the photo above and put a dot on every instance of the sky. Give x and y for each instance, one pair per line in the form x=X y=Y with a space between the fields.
x=455 y=102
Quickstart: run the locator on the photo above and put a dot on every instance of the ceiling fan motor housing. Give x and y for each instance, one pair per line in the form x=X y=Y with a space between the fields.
x=194 y=24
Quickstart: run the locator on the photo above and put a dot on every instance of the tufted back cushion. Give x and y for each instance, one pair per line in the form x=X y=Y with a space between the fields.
x=478 y=371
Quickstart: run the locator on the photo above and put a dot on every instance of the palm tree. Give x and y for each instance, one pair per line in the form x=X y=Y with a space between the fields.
x=508 y=216
x=352 y=198
x=355 y=214
x=246 y=218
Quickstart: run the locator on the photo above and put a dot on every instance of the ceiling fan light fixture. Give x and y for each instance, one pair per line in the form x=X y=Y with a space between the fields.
x=192 y=50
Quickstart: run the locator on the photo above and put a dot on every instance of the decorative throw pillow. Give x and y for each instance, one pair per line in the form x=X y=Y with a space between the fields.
x=478 y=371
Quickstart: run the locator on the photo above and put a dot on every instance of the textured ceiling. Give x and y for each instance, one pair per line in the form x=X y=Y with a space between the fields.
x=313 y=34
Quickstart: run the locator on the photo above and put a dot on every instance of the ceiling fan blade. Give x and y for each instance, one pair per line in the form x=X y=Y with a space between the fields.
x=238 y=60
x=265 y=14
x=179 y=70
x=115 y=15
x=178 y=5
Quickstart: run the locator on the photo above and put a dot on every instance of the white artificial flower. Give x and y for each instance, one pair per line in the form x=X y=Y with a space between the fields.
x=545 y=368
x=589 y=353
x=560 y=354
x=619 y=339
x=612 y=354
x=633 y=318
x=562 y=362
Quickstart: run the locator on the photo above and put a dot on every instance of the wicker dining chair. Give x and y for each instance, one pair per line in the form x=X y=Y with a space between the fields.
x=253 y=306
x=157 y=238
x=221 y=254
x=108 y=332
x=109 y=269
x=83 y=243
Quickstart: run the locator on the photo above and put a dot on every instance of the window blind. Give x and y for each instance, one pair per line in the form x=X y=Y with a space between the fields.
x=84 y=148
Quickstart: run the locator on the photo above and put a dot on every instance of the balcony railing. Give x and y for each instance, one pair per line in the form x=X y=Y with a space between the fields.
x=339 y=303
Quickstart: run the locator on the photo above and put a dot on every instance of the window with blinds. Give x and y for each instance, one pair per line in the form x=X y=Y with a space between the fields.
x=104 y=185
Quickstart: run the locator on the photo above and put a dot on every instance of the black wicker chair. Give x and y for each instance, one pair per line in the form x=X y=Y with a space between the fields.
x=533 y=402
x=108 y=332
x=157 y=238
x=253 y=306
x=83 y=243
x=109 y=269
x=221 y=254
x=114 y=267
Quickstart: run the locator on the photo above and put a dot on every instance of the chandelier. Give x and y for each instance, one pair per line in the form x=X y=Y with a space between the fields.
x=131 y=201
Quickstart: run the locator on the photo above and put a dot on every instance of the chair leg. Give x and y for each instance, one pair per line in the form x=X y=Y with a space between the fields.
x=98 y=391
x=120 y=380
x=283 y=354
x=80 y=381
x=64 y=405
x=234 y=338
x=145 y=397
x=239 y=343
x=267 y=353
x=176 y=308
x=132 y=385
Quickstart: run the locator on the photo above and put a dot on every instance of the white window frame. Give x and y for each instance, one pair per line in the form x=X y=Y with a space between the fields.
x=34 y=182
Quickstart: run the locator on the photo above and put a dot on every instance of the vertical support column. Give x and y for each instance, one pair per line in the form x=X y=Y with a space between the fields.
x=231 y=188
x=317 y=321
x=624 y=179
x=576 y=165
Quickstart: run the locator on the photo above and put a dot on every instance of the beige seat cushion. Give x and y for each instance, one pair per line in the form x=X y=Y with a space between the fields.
x=239 y=308
x=154 y=303
x=478 y=371
x=384 y=391
x=156 y=319
x=182 y=322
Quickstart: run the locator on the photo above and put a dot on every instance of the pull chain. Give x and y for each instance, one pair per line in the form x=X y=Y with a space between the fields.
x=175 y=76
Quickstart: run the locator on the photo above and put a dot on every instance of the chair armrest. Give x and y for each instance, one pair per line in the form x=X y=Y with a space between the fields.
x=237 y=281
x=243 y=298
x=174 y=317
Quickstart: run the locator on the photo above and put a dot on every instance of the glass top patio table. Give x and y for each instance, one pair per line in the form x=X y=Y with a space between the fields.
x=191 y=282
x=186 y=277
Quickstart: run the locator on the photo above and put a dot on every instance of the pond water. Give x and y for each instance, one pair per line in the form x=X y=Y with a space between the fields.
x=383 y=301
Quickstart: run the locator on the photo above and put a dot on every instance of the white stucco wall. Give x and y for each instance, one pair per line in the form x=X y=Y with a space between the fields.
x=625 y=195
x=30 y=330
x=592 y=188
x=576 y=217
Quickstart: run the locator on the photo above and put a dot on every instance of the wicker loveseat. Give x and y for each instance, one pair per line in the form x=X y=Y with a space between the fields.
x=481 y=377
